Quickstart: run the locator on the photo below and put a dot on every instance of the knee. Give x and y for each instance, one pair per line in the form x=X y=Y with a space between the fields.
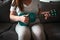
x=37 y=30
x=23 y=34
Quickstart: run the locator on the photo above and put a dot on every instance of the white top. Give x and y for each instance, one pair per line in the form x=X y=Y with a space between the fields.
x=32 y=7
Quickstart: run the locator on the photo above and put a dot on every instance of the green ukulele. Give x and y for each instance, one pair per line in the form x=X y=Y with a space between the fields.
x=53 y=12
x=32 y=18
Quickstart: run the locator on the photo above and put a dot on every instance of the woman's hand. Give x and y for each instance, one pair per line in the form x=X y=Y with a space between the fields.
x=24 y=19
x=46 y=14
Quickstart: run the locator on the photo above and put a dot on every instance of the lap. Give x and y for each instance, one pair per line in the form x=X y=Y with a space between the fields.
x=23 y=32
x=37 y=26
x=22 y=29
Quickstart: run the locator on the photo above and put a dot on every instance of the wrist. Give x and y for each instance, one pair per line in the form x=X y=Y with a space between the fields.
x=18 y=18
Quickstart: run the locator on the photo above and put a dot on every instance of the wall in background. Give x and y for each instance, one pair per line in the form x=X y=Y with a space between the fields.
x=49 y=0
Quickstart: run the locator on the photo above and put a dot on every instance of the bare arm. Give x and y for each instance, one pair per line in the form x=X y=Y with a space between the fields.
x=13 y=16
x=45 y=13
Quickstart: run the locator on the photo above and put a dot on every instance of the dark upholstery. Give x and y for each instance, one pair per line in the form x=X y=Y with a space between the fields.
x=4 y=11
x=47 y=6
x=6 y=30
x=51 y=26
x=52 y=31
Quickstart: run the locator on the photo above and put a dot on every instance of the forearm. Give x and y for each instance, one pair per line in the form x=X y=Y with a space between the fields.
x=14 y=18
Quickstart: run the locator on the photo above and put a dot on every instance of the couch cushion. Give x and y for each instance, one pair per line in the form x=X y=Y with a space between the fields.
x=6 y=30
x=4 y=11
x=9 y=35
x=5 y=27
x=52 y=31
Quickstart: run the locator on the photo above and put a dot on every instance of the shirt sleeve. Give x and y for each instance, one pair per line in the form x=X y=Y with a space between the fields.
x=12 y=8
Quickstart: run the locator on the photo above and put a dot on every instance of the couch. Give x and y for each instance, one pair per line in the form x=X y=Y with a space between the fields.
x=51 y=26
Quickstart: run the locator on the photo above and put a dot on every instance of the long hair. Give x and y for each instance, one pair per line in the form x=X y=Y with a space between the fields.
x=18 y=3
